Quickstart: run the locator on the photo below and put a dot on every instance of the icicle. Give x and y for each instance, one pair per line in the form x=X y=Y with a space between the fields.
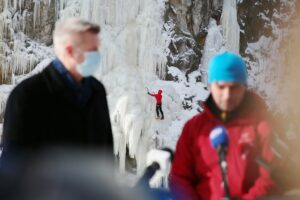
x=24 y=20
x=20 y=4
x=36 y=13
x=6 y=4
x=13 y=79
x=213 y=45
x=15 y=4
x=231 y=28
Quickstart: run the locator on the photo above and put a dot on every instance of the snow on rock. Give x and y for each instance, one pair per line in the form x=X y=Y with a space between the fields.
x=37 y=69
x=264 y=59
x=4 y=93
x=266 y=67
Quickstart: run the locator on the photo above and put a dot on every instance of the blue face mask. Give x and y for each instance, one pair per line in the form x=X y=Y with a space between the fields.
x=90 y=64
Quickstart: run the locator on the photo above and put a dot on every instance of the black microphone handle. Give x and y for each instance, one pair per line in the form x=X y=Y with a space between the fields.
x=223 y=165
x=148 y=174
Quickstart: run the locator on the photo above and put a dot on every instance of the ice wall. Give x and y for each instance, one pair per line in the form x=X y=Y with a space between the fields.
x=20 y=23
x=134 y=51
x=133 y=30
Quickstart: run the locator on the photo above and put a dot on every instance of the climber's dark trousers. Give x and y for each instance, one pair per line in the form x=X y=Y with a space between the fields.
x=158 y=109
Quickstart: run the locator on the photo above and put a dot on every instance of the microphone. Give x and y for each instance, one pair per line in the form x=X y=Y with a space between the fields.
x=219 y=141
x=219 y=138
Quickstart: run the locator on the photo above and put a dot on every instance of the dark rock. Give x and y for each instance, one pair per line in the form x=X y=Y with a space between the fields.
x=255 y=18
x=189 y=19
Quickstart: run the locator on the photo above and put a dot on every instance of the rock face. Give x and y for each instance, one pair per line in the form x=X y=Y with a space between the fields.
x=264 y=27
x=27 y=24
x=188 y=20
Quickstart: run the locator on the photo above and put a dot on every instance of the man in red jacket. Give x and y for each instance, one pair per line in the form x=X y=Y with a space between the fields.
x=195 y=172
x=158 y=98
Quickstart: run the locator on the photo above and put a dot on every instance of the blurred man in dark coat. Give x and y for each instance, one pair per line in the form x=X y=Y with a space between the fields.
x=64 y=105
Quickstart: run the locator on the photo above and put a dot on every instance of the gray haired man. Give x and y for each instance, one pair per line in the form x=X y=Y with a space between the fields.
x=64 y=105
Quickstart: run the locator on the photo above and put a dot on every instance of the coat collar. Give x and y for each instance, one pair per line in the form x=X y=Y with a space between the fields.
x=54 y=80
x=58 y=82
x=251 y=110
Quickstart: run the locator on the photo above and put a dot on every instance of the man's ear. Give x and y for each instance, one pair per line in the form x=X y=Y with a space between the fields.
x=69 y=50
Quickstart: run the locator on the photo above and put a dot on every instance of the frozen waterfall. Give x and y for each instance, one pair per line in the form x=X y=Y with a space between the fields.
x=221 y=37
x=231 y=28
x=214 y=43
x=134 y=51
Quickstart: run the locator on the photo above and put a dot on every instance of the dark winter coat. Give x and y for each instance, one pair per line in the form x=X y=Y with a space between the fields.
x=195 y=170
x=42 y=112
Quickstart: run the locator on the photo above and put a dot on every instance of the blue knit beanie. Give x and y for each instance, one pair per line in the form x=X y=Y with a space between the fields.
x=227 y=67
